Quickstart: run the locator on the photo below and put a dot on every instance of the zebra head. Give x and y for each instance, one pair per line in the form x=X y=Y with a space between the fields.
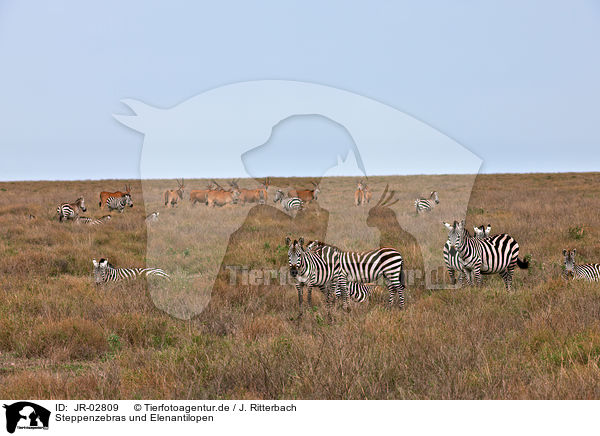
x=100 y=270
x=434 y=196
x=569 y=260
x=278 y=196
x=457 y=233
x=81 y=203
x=295 y=253
x=126 y=200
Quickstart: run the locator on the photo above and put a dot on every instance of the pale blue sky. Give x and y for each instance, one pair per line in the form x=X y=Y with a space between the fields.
x=516 y=82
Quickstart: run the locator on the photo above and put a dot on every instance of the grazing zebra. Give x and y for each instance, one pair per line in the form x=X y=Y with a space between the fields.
x=70 y=211
x=368 y=267
x=496 y=254
x=288 y=203
x=427 y=204
x=588 y=271
x=119 y=203
x=105 y=272
x=92 y=221
x=153 y=217
x=313 y=269
x=451 y=255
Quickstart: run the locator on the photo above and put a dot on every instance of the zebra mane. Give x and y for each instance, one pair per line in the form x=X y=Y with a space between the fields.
x=316 y=245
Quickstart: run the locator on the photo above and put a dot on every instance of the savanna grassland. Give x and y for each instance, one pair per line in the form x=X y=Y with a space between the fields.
x=61 y=336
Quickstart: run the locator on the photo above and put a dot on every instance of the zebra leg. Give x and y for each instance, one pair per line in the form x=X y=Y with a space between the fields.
x=507 y=275
x=299 y=289
x=452 y=277
x=309 y=296
x=477 y=274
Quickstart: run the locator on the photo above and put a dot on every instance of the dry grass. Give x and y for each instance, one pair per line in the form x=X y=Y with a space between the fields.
x=61 y=337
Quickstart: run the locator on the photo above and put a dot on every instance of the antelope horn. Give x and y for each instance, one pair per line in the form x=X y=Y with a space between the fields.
x=383 y=195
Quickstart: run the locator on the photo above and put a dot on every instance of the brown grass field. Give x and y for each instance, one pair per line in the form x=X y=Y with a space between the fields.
x=61 y=337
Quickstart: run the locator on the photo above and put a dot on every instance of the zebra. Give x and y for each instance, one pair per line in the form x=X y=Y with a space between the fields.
x=588 y=271
x=496 y=254
x=119 y=203
x=70 y=211
x=288 y=203
x=105 y=272
x=368 y=267
x=153 y=217
x=451 y=255
x=427 y=204
x=92 y=221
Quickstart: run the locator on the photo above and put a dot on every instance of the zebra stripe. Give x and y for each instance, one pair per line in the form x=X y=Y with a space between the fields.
x=427 y=204
x=368 y=267
x=497 y=254
x=588 y=271
x=92 y=221
x=105 y=272
x=451 y=259
x=288 y=203
x=71 y=210
x=119 y=203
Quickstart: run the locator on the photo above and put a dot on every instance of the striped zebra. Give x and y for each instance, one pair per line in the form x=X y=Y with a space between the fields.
x=496 y=254
x=70 y=211
x=92 y=221
x=427 y=204
x=104 y=272
x=368 y=267
x=451 y=255
x=288 y=203
x=588 y=271
x=153 y=217
x=119 y=203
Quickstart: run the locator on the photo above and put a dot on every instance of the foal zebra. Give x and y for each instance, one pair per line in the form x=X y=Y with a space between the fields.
x=92 y=221
x=119 y=203
x=368 y=267
x=312 y=268
x=70 y=211
x=288 y=203
x=427 y=204
x=497 y=254
x=104 y=272
x=588 y=271
x=451 y=258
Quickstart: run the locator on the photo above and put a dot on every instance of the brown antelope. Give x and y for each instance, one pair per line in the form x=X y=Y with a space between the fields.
x=199 y=195
x=306 y=195
x=104 y=195
x=258 y=195
x=359 y=194
x=367 y=194
x=222 y=197
x=172 y=196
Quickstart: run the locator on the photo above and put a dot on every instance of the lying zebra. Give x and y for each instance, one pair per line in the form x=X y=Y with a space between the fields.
x=588 y=271
x=70 y=211
x=105 y=272
x=92 y=221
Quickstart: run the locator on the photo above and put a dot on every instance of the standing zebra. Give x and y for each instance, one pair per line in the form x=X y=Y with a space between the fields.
x=119 y=203
x=427 y=204
x=70 y=211
x=588 y=271
x=451 y=254
x=497 y=254
x=368 y=267
x=288 y=203
x=92 y=221
x=105 y=272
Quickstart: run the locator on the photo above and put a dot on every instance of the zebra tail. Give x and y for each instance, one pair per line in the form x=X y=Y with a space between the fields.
x=523 y=264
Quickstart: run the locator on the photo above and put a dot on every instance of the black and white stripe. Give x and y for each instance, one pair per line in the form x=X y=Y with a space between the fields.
x=288 y=203
x=105 y=272
x=119 y=203
x=427 y=204
x=496 y=254
x=92 y=221
x=70 y=211
x=588 y=271
x=451 y=259
x=368 y=267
